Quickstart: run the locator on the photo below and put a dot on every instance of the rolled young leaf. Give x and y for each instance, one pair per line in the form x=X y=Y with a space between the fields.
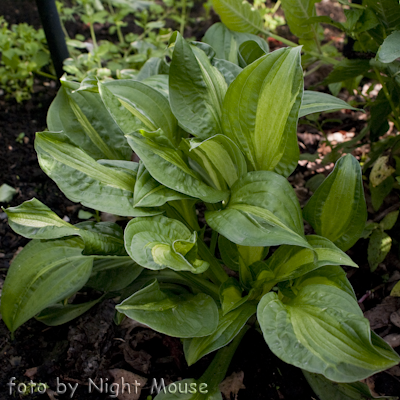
x=196 y=90
x=34 y=220
x=263 y=210
x=169 y=167
x=85 y=121
x=184 y=315
x=41 y=275
x=261 y=109
x=337 y=209
x=323 y=330
x=220 y=160
x=160 y=242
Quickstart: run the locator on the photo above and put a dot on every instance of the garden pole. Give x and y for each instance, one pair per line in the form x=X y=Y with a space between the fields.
x=54 y=33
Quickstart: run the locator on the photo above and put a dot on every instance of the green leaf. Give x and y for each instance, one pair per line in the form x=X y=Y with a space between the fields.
x=229 y=253
x=61 y=314
x=390 y=48
x=315 y=182
x=378 y=248
x=388 y=11
x=169 y=167
x=135 y=105
x=84 y=180
x=263 y=210
x=238 y=15
x=227 y=44
x=379 y=192
x=111 y=273
x=184 y=315
x=396 y=290
x=390 y=219
x=230 y=293
x=150 y=193
x=331 y=275
x=328 y=390
x=337 y=209
x=347 y=69
x=33 y=220
x=6 y=193
x=250 y=51
x=41 y=275
x=221 y=162
x=290 y=262
x=323 y=330
x=85 y=121
x=160 y=242
x=223 y=41
x=229 y=326
x=261 y=110
x=196 y=90
x=318 y=102
x=297 y=13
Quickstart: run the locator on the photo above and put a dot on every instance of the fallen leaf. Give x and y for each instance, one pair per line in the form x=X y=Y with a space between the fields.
x=129 y=384
x=231 y=385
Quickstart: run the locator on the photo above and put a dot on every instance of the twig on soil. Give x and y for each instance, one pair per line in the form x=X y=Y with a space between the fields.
x=387 y=211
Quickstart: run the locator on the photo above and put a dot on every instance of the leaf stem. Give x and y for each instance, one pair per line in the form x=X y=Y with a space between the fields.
x=183 y=17
x=45 y=74
x=389 y=98
x=320 y=56
x=216 y=371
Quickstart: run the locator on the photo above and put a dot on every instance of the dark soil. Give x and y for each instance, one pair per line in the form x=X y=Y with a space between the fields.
x=92 y=345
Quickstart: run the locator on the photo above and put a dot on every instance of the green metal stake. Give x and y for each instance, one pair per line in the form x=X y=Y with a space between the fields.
x=54 y=33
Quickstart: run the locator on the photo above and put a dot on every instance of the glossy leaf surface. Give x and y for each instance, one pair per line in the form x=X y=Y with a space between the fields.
x=323 y=330
x=261 y=110
x=85 y=121
x=318 y=102
x=42 y=274
x=289 y=262
x=161 y=242
x=263 y=210
x=228 y=327
x=238 y=15
x=196 y=90
x=184 y=316
x=34 y=220
x=170 y=168
x=82 y=179
x=337 y=210
x=135 y=105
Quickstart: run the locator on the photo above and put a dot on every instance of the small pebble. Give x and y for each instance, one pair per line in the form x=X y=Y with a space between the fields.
x=66 y=218
x=393 y=340
x=395 y=318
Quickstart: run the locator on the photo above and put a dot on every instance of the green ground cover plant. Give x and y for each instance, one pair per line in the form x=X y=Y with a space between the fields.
x=23 y=52
x=215 y=132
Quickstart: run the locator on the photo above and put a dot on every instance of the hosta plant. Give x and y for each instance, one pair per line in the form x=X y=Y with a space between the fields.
x=215 y=134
